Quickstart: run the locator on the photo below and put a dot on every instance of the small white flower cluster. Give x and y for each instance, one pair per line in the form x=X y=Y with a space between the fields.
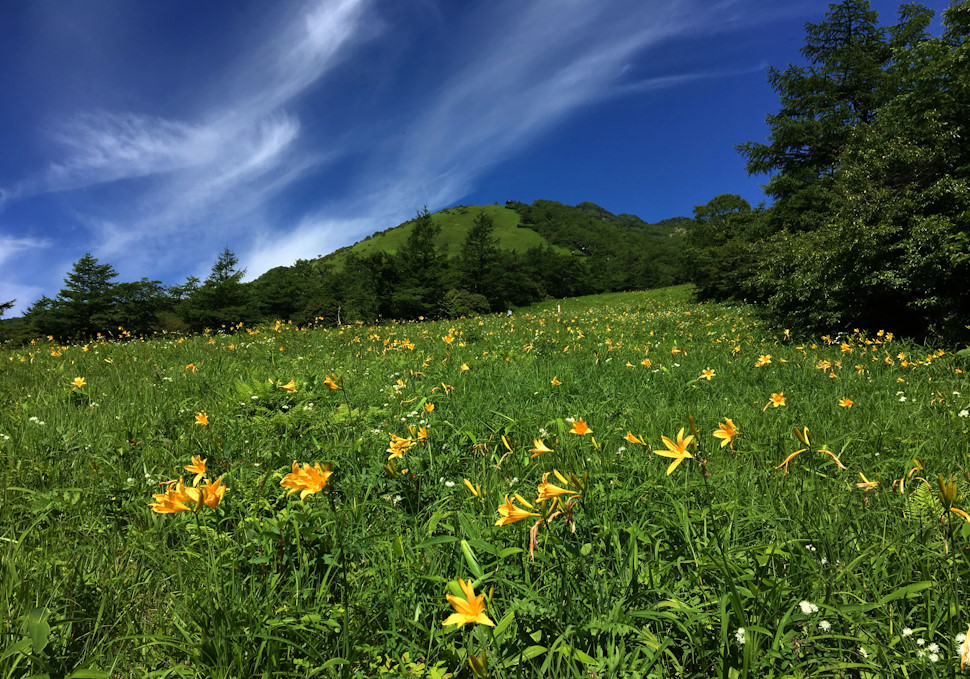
x=741 y=636
x=36 y=420
x=4 y=437
x=965 y=413
x=808 y=607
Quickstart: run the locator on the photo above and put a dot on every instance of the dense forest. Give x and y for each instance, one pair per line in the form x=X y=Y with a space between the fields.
x=586 y=250
x=868 y=166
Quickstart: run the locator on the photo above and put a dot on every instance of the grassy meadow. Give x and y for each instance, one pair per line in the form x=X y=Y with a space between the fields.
x=625 y=550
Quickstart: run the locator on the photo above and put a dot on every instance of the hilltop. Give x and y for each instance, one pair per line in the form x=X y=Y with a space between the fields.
x=519 y=227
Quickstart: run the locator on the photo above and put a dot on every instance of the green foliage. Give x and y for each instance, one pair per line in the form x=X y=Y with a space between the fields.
x=83 y=307
x=644 y=574
x=222 y=300
x=869 y=226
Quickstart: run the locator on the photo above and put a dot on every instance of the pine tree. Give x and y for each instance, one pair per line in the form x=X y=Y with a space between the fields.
x=421 y=265
x=841 y=86
x=478 y=263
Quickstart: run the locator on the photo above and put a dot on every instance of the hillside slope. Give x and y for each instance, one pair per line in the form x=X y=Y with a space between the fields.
x=519 y=227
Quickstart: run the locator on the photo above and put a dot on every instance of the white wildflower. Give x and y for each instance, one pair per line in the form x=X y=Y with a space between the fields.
x=824 y=625
x=808 y=607
x=907 y=632
x=740 y=635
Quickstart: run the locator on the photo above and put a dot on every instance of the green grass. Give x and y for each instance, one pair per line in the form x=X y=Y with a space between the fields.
x=641 y=574
x=455 y=224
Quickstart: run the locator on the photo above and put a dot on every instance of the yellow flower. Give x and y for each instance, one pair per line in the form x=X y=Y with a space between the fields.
x=547 y=491
x=556 y=382
x=171 y=501
x=580 y=427
x=775 y=401
x=191 y=366
x=866 y=484
x=428 y=407
x=707 y=374
x=845 y=402
x=509 y=513
x=540 y=448
x=290 y=386
x=78 y=382
x=470 y=609
x=726 y=431
x=633 y=439
x=464 y=367
x=763 y=360
x=201 y=418
x=197 y=467
x=399 y=446
x=308 y=480
x=677 y=450
x=212 y=493
x=333 y=382
x=476 y=490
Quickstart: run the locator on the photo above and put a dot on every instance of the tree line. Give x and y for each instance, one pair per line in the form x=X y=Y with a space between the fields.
x=418 y=281
x=868 y=169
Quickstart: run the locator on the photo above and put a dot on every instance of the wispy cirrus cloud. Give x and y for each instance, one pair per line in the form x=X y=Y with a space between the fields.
x=177 y=174
x=11 y=246
x=520 y=74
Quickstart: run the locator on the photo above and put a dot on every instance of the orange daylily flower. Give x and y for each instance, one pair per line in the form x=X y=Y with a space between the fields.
x=197 y=467
x=509 y=513
x=78 y=382
x=547 y=491
x=201 y=418
x=580 y=427
x=290 y=386
x=308 y=480
x=707 y=374
x=540 y=448
x=775 y=401
x=845 y=402
x=726 y=431
x=470 y=609
x=633 y=439
x=677 y=450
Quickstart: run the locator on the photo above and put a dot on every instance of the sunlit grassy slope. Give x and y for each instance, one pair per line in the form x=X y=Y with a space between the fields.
x=606 y=527
x=455 y=224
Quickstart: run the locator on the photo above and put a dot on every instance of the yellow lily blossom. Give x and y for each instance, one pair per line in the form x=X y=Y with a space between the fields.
x=677 y=450
x=509 y=513
x=308 y=480
x=726 y=431
x=540 y=448
x=197 y=467
x=470 y=609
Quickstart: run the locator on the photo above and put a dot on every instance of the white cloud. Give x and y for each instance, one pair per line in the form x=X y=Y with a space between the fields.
x=528 y=69
x=10 y=246
x=239 y=151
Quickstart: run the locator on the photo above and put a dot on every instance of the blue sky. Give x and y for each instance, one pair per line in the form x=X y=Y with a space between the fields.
x=153 y=134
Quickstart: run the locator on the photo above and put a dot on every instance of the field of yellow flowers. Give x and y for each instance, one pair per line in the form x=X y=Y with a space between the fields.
x=629 y=485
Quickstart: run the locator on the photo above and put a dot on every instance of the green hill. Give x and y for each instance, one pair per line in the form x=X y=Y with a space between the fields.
x=455 y=223
x=579 y=230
